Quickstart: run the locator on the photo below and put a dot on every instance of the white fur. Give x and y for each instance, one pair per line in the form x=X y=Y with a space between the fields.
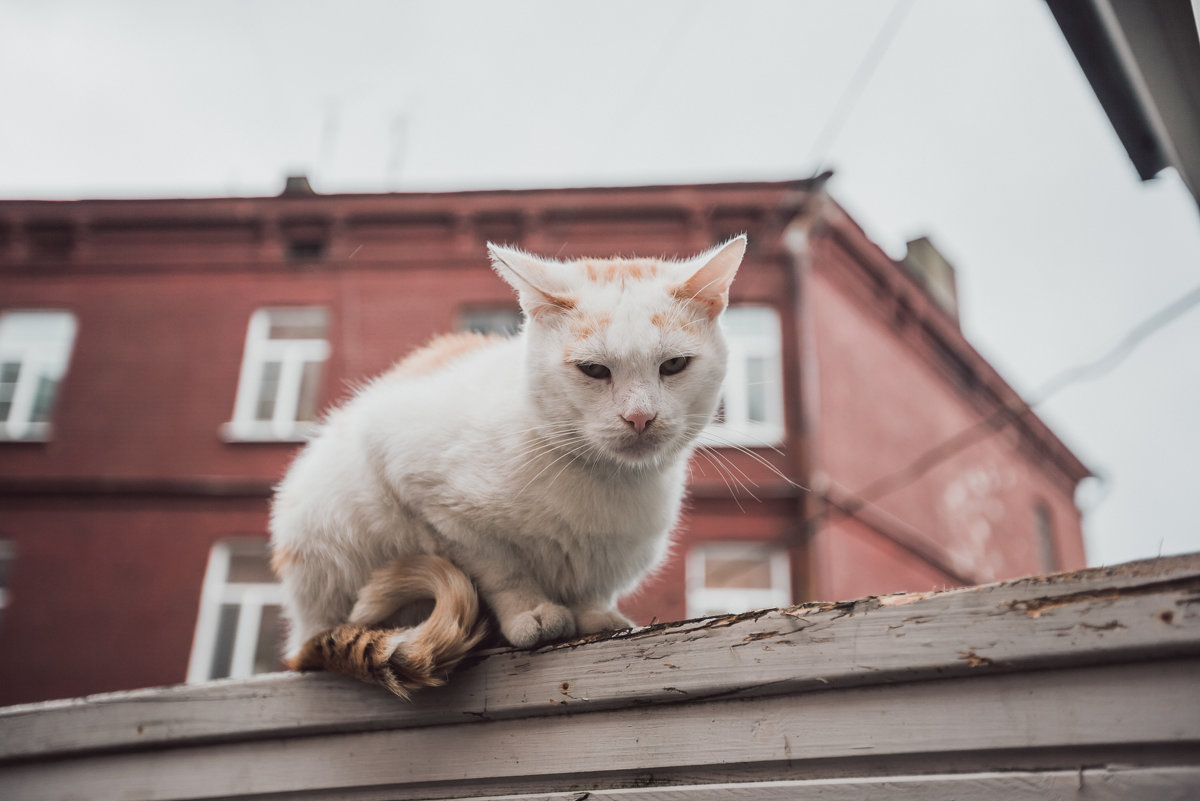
x=513 y=464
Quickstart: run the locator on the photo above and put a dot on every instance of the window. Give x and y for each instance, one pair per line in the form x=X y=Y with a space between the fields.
x=239 y=628
x=1044 y=528
x=751 y=410
x=7 y=555
x=281 y=375
x=34 y=349
x=725 y=578
x=505 y=321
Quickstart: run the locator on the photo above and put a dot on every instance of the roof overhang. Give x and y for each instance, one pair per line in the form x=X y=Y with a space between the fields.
x=1142 y=58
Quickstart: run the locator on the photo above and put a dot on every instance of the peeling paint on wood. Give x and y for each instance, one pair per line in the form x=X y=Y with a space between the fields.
x=1091 y=668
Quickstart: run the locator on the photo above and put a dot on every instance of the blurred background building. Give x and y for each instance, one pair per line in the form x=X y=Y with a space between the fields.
x=161 y=361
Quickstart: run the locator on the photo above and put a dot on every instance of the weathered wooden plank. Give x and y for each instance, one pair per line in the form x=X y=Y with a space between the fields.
x=1136 y=611
x=1104 y=784
x=995 y=718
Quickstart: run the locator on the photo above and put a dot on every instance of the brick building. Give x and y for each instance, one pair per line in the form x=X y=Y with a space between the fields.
x=161 y=359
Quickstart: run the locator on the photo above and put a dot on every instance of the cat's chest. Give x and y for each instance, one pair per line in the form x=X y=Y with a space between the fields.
x=599 y=506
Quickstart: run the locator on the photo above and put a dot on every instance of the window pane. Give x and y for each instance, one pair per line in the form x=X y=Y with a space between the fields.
x=1047 y=553
x=297 y=323
x=223 y=646
x=250 y=568
x=310 y=383
x=35 y=347
x=756 y=389
x=719 y=417
x=741 y=572
x=270 y=635
x=268 y=389
x=43 y=399
x=751 y=321
x=7 y=555
x=491 y=321
x=9 y=372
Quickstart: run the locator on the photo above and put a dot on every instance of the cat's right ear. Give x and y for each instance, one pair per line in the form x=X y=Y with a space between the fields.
x=708 y=286
x=537 y=289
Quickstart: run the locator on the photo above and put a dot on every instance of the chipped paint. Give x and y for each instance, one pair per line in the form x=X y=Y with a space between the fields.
x=972 y=504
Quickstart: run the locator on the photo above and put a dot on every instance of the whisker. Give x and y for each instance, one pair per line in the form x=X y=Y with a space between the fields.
x=764 y=462
x=586 y=451
x=547 y=444
x=548 y=466
x=721 y=475
x=733 y=468
x=719 y=440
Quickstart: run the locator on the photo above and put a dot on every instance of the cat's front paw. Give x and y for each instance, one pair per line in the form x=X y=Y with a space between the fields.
x=594 y=621
x=543 y=623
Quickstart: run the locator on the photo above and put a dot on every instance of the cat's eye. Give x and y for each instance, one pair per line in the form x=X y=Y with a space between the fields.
x=594 y=370
x=673 y=366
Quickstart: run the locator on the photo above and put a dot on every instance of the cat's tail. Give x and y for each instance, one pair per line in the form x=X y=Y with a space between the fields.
x=408 y=658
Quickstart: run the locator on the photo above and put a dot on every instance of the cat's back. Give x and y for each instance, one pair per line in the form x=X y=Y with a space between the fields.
x=411 y=417
x=444 y=354
x=432 y=397
x=453 y=380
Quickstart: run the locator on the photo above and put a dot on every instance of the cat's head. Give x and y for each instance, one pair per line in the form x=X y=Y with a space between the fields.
x=624 y=357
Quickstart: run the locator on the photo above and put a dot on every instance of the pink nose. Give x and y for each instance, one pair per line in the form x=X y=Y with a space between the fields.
x=639 y=420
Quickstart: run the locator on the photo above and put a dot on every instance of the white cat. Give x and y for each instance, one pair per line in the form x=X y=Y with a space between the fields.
x=548 y=468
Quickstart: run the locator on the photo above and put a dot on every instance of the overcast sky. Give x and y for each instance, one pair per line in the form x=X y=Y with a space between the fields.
x=975 y=128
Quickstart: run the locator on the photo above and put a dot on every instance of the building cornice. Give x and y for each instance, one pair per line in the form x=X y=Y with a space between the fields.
x=903 y=304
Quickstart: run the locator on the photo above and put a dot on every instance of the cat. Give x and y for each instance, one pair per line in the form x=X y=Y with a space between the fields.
x=543 y=472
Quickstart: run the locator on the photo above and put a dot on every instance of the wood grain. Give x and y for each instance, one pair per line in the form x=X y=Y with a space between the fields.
x=1062 y=671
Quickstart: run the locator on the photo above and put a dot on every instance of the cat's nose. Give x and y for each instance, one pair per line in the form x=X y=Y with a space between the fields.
x=639 y=420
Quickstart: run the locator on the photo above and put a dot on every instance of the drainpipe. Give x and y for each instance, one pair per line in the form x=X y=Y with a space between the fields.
x=803 y=426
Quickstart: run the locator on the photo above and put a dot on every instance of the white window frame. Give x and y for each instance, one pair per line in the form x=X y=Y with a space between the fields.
x=738 y=429
x=486 y=320
x=35 y=359
x=250 y=598
x=702 y=600
x=292 y=354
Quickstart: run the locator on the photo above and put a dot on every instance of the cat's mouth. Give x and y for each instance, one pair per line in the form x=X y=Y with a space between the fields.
x=640 y=448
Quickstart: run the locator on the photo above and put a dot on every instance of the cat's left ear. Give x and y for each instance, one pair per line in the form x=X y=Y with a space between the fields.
x=538 y=291
x=712 y=274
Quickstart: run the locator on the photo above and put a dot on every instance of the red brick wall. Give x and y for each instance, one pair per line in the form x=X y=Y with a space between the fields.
x=883 y=401
x=105 y=591
x=114 y=519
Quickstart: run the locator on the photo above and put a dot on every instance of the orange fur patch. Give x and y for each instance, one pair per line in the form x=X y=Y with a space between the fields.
x=585 y=325
x=711 y=304
x=620 y=270
x=283 y=559
x=402 y=659
x=562 y=302
x=440 y=351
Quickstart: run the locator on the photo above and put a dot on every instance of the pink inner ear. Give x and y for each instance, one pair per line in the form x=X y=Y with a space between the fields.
x=709 y=286
x=527 y=274
x=713 y=303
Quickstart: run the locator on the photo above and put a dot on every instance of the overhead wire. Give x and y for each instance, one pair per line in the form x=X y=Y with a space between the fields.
x=905 y=476
x=857 y=84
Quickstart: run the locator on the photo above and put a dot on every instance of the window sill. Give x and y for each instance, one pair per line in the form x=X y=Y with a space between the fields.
x=260 y=432
x=34 y=433
x=751 y=435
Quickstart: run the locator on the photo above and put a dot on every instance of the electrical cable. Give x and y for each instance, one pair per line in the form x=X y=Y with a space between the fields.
x=920 y=466
x=858 y=83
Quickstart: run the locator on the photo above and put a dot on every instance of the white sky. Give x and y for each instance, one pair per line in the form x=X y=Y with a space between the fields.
x=976 y=129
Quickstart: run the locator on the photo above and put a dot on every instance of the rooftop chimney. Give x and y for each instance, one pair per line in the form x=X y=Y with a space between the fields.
x=297 y=185
x=926 y=263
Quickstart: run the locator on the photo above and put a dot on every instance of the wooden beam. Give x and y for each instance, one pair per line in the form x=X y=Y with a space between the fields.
x=1063 y=672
